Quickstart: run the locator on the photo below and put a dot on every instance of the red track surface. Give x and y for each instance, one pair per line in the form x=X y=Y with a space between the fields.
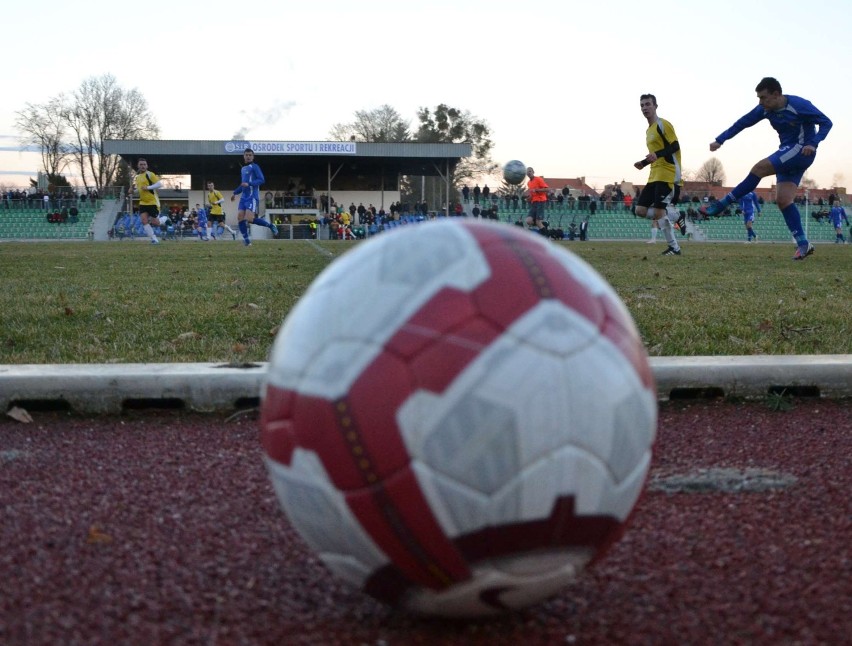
x=163 y=529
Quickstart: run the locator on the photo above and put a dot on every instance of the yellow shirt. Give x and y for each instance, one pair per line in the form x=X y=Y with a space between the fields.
x=146 y=197
x=660 y=135
x=213 y=198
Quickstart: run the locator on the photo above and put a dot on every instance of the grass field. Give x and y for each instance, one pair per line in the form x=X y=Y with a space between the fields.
x=220 y=302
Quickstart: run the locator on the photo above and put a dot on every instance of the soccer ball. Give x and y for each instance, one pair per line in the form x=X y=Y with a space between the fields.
x=458 y=416
x=514 y=172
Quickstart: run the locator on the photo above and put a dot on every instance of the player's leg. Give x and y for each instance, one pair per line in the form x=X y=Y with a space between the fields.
x=144 y=214
x=790 y=168
x=666 y=195
x=542 y=223
x=747 y=221
x=243 y=224
x=763 y=168
x=256 y=219
x=655 y=230
x=532 y=217
x=667 y=227
x=785 y=195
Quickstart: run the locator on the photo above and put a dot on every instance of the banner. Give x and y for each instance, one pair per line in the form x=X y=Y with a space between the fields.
x=294 y=147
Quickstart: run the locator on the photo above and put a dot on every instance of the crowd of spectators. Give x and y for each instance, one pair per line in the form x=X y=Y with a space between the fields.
x=62 y=198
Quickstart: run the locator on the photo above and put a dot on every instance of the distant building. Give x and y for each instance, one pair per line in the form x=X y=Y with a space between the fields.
x=577 y=186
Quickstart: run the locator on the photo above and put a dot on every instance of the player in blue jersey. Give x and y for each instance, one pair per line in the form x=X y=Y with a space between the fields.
x=748 y=206
x=201 y=223
x=251 y=179
x=800 y=127
x=838 y=217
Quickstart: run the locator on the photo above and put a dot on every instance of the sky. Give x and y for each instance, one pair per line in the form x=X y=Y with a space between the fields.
x=558 y=83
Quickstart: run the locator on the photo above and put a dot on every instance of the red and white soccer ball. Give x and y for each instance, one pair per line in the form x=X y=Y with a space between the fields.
x=458 y=417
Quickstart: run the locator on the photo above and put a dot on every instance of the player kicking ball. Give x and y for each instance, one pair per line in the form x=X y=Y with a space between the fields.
x=800 y=127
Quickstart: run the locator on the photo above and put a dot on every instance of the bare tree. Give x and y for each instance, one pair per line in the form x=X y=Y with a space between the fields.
x=381 y=125
x=838 y=180
x=99 y=110
x=711 y=172
x=42 y=126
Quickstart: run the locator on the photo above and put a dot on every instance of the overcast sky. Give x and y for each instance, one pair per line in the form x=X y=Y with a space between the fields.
x=558 y=82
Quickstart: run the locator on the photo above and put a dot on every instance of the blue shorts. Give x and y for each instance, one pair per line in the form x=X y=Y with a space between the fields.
x=748 y=217
x=248 y=204
x=837 y=221
x=790 y=164
x=202 y=221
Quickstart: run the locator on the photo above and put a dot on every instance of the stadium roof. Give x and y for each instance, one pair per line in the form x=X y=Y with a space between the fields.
x=313 y=159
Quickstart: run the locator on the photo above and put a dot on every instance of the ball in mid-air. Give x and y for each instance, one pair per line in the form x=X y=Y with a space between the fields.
x=514 y=172
x=458 y=416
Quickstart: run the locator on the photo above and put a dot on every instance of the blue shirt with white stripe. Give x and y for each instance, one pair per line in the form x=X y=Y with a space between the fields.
x=797 y=123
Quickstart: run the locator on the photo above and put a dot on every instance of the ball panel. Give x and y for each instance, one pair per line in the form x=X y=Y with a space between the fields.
x=398 y=519
x=319 y=512
x=448 y=309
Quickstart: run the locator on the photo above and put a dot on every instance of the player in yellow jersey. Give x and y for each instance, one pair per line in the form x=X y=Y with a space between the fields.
x=660 y=195
x=146 y=184
x=216 y=215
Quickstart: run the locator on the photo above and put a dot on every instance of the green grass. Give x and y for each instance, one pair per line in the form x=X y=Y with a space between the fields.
x=219 y=302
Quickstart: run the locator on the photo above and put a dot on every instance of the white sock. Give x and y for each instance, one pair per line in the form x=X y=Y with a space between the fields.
x=149 y=231
x=668 y=232
x=654 y=232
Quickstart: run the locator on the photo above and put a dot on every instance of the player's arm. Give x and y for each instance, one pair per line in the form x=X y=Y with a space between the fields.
x=257 y=177
x=746 y=121
x=665 y=152
x=157 y=183
x=811 y=114
x=668 y=151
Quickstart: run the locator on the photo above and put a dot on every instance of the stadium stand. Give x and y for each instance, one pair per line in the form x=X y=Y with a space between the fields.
x=21 y=222
x=618 y=223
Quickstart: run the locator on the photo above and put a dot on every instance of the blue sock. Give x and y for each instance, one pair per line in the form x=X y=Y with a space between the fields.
x=794 y=223
x=262 y=222
x=746 y=186
x=243 y=227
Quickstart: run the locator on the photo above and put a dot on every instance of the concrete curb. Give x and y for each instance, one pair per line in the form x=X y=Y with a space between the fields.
x=209 y=387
